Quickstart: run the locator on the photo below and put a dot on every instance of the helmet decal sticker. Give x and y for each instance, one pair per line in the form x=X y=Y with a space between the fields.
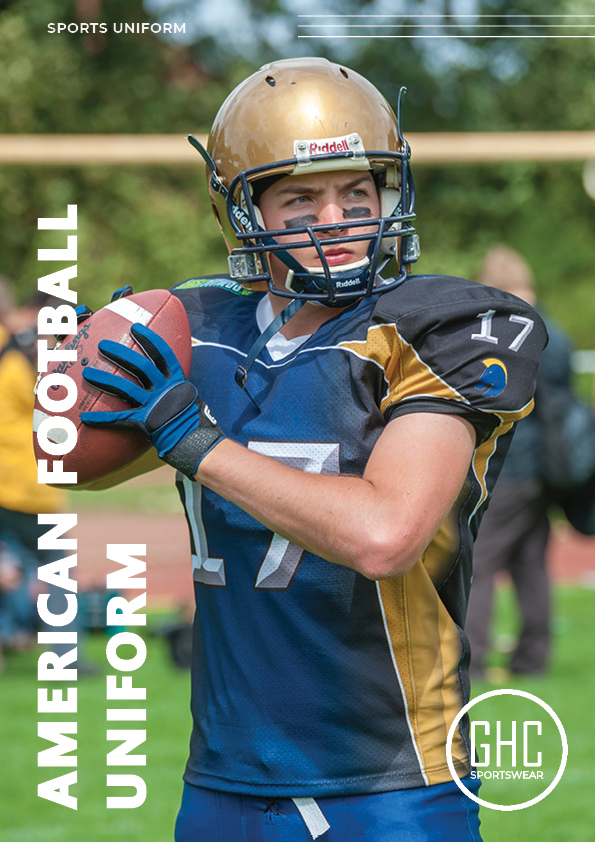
x=304 y=149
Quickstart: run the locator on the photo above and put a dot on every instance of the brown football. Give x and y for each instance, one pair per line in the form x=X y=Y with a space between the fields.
x=100 y=452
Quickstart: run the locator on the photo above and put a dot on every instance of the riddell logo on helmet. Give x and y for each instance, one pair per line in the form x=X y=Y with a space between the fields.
x=327 y=145
x=348 y=283
x=319 y=148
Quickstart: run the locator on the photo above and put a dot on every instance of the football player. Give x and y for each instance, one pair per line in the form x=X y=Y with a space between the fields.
x=336 y=444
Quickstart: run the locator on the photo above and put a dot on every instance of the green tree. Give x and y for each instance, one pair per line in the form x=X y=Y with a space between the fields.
x=147 y=226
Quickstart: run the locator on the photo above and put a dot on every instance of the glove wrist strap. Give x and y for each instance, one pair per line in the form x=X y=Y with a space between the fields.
x=187 y=455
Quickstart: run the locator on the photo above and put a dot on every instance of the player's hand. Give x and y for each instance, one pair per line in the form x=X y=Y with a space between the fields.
x=165 y=406
x=83 y=312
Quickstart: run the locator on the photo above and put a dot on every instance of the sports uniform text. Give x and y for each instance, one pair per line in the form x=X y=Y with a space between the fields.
x=125 y=28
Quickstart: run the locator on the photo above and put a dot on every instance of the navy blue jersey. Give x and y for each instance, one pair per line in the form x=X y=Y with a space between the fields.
x=308 y=678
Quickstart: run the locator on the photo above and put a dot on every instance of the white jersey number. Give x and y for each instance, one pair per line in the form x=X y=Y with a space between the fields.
x=206 y=569
x=282 y=558
x=485 y=332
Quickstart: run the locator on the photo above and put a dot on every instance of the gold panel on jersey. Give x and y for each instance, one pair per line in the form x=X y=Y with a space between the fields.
x=426 y=648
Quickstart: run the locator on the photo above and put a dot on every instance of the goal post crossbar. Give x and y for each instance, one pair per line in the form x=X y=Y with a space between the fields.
x=172 y=149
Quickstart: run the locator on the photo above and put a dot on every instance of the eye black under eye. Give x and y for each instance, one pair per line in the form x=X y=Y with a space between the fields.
x=300 y=221
x=357 y=213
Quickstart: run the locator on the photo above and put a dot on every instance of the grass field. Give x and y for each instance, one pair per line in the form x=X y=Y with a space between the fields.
x=568 y=813
x=150 y=499
x=26 y=818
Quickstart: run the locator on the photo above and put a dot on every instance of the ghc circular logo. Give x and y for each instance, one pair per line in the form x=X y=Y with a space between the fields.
x=512 y=748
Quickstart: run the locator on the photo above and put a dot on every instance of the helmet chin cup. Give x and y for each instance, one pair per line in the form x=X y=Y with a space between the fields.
x=349 y=277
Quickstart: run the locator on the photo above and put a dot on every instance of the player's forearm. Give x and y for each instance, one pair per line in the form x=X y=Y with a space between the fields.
x=341 y=518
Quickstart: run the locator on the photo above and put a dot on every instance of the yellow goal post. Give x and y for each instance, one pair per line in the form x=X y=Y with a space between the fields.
x=172 y=149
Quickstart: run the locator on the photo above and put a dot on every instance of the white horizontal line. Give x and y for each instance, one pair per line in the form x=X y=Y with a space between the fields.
x=445 y=36
x=448 y=25
x=508 y=17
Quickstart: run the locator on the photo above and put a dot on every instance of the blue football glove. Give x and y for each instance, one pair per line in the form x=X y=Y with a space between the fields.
x=165 y=407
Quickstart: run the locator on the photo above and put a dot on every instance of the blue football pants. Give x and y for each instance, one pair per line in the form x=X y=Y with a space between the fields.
x=439 y=813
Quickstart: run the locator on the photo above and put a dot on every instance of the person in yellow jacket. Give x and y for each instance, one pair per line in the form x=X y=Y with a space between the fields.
x=19 y=490
x=22 y=498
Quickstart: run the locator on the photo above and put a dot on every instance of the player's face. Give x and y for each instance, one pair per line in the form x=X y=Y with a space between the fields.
x=329 y=198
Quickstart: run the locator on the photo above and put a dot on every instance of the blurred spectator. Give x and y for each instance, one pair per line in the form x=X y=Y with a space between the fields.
x=18 y=615
x=514 y=532
x=21 y=496
x=6 y=306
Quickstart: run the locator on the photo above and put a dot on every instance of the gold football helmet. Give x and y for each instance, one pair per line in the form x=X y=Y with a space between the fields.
x=300 y=116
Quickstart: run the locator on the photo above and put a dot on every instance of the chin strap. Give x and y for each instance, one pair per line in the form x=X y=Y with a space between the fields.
x=241 y=374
